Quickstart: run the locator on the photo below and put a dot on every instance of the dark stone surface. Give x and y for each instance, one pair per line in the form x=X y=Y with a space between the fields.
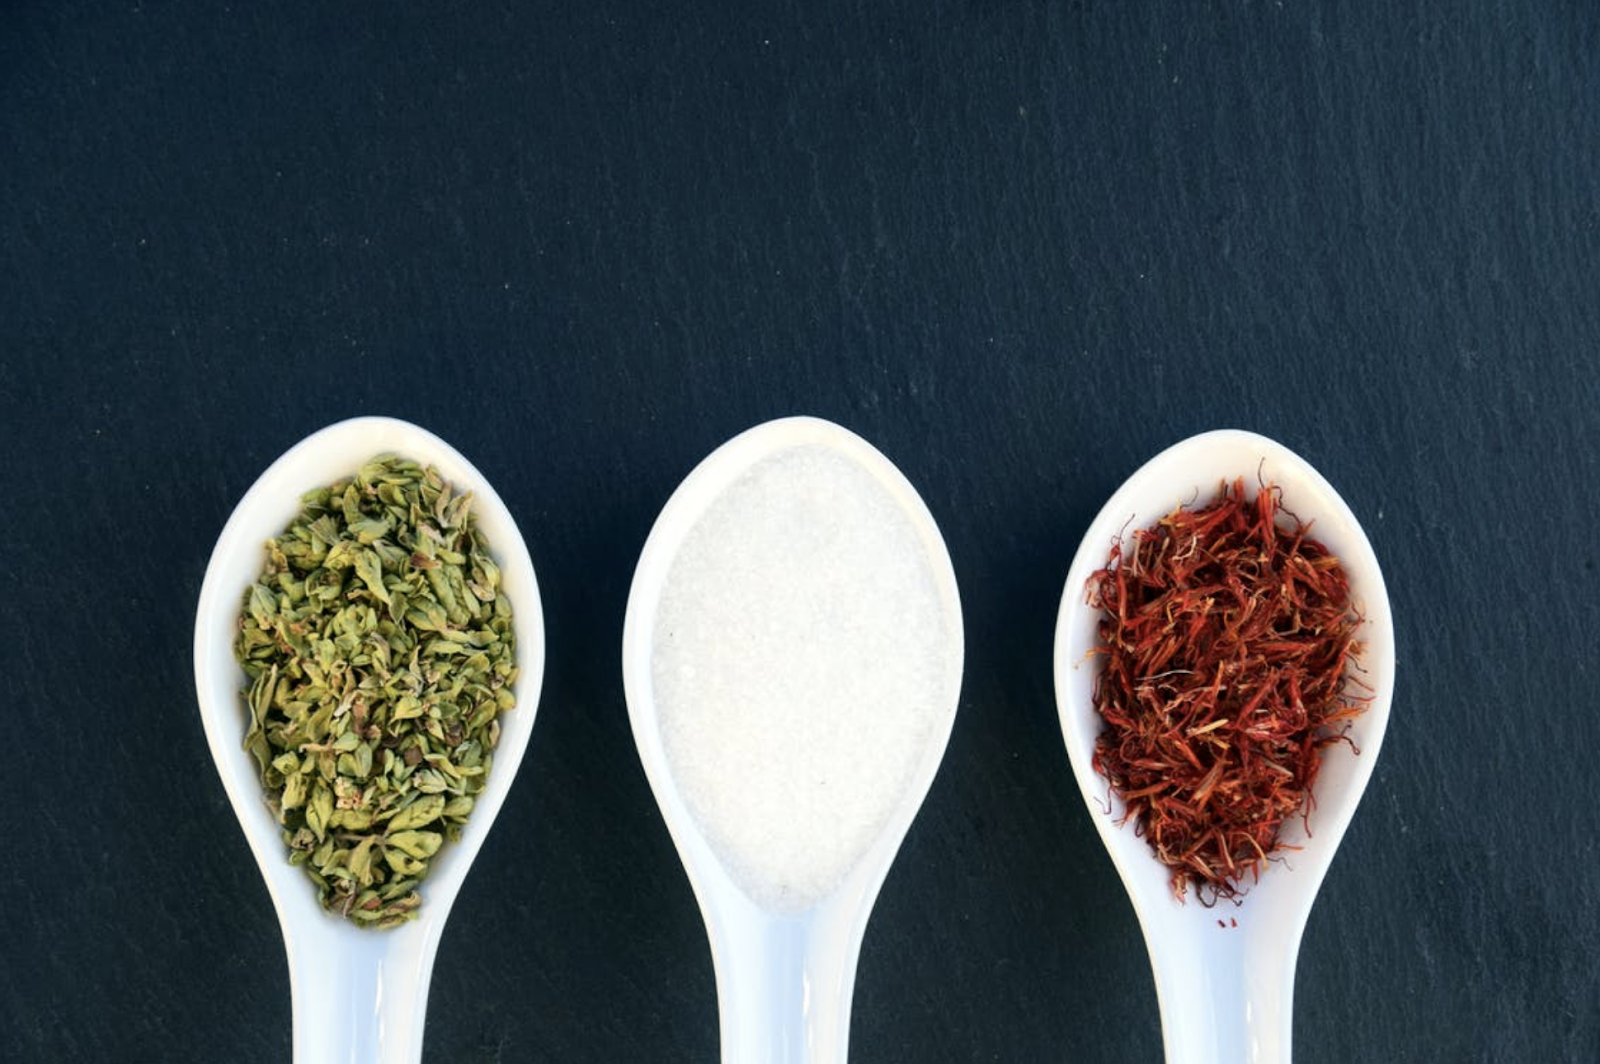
x=1019 y=246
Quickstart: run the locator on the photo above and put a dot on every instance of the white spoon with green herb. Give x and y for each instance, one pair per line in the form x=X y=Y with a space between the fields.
x=1225 y=973
x=360 y=993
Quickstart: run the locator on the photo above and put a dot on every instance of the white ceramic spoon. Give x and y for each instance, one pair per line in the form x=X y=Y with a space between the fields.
x=1226 y=993
x=784 y=978
x=359 y=995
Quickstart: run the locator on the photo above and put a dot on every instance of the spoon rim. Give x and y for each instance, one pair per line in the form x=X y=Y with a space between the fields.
x=719 y=893
x=264 y=510
x=1188 y=470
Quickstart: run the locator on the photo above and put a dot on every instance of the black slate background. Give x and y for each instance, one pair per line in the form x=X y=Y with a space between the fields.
x=1019 y=246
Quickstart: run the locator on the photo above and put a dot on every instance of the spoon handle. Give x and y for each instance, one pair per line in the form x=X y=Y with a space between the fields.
x=784 y=988
x=1229 y=1002
x=360 y=1002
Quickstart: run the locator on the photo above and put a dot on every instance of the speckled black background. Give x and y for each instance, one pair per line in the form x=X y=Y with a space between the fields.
x=1021 y=247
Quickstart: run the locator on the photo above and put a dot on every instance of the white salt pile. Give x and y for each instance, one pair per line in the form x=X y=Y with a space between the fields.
x=801 y=667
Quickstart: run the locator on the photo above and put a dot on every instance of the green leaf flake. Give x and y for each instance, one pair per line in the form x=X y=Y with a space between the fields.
x=369 y=570
x=416 y=843
x=319 y=809
x=421 y=812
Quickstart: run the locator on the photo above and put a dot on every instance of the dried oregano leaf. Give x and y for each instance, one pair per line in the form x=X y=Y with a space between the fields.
x=380 y=653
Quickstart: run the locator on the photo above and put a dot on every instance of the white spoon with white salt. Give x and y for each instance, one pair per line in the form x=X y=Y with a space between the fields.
x=359 y=995
x=792 y=658
x=1225 y=975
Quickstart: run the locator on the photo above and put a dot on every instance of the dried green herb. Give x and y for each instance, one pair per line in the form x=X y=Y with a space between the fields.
x=380 y=653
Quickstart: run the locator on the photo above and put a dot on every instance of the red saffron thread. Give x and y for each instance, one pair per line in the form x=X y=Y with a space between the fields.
x=1227 y=637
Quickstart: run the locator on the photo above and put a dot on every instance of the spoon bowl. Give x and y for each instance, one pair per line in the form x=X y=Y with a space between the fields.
x=358 y=994
x=785 y=965
x=1226 y=992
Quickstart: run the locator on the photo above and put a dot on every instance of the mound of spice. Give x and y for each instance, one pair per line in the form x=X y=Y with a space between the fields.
x=1226 y=639
x=380 y=654
x=800 y=671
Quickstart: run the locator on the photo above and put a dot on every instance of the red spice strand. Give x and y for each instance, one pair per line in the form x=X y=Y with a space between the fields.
x=1226 y=638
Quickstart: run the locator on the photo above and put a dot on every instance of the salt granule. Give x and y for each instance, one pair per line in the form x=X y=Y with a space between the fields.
x=801 y=666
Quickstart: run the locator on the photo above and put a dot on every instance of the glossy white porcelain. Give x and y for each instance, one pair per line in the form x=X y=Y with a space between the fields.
x=784 y=980
x=1226 y=992
x=358 y=995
